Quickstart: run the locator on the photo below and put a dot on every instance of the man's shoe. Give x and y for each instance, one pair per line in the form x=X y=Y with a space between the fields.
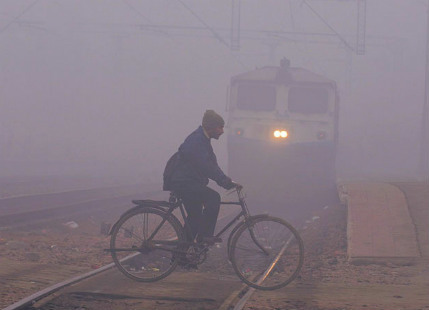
x=210 y=240
x=189 y=266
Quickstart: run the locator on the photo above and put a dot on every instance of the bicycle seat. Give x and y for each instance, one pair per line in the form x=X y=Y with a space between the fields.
x=152 y=202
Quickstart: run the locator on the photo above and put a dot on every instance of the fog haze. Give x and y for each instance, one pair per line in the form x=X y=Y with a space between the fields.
x=113 y=87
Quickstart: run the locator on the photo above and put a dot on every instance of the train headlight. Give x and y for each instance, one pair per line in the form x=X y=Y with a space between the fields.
x=238 y=131
x=321 y=135
x=280 y=134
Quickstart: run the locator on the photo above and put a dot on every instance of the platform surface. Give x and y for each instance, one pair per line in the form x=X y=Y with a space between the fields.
x=379 y=225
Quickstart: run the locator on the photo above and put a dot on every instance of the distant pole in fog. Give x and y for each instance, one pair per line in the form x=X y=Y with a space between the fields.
x=424 y=143
x=361 y=27
x=235 y=25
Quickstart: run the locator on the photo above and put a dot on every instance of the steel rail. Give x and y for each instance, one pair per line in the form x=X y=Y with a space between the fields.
x=251 y=290
x=52 y=289
x=246 y=292
x=58 y=205
x=40 y=216
x=30 y=300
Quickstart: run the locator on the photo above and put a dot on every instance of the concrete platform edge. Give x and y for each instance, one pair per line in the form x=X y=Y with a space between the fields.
x=353 y=254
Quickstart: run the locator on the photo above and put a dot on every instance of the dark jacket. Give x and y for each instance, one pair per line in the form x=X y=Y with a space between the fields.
x=197 y=164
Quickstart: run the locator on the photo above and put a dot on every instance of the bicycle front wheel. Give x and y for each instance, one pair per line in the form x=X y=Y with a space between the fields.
x=267 y=253
x=144 y=242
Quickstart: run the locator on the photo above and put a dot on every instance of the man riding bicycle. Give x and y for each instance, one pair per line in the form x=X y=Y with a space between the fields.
x=196 y=164
x=148 y=241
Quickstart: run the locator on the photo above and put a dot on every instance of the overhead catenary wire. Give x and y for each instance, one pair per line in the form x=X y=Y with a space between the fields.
x=215 y=34
x=25 y=10
x=135 y=10
x=328 y=25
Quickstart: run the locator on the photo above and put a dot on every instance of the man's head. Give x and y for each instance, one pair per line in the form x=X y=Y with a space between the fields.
x=213 y=124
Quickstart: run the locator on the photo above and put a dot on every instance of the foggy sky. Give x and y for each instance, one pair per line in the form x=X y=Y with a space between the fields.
x=87 y=88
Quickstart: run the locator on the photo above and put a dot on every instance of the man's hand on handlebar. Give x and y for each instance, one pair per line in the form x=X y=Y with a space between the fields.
x=237 y=185
x=232 y=185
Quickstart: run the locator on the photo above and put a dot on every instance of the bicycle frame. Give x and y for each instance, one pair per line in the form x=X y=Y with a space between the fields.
x=179 y=204
x=155 y=238
x=241 y=202
x=175 y=202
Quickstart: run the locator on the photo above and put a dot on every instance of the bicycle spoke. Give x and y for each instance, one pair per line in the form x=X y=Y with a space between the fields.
x=132 y=234
x=282 y=260
x=254 y=251
x=148 y=260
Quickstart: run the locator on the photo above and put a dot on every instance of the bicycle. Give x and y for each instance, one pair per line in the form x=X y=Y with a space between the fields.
x=148 y=242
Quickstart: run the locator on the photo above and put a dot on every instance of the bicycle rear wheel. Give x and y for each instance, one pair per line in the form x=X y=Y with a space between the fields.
x=142 y=248
x=267 y=253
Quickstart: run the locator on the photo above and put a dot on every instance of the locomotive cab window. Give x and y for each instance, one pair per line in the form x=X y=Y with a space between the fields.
x=308 y=100
x=256 y=96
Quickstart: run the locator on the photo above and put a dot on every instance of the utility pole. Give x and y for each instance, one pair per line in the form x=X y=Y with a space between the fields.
x=424 y=143
x=361 y=27
x=235 y=25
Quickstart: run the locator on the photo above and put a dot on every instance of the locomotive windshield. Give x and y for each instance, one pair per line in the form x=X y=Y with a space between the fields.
x=256 y=96
x=308 y=100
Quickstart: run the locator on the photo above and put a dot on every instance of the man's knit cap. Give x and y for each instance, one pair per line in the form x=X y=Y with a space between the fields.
x=212 y=120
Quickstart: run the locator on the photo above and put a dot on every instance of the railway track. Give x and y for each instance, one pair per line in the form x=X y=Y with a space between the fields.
x=37 y=249
x=29 y=301
x=214 y=286
x=89 y=292
x=35 y=209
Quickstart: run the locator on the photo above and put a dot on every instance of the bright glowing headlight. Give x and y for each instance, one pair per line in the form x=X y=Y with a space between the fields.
x=280 y=134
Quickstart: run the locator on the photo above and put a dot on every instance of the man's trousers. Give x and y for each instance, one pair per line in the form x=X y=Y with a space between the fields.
x=202 y=207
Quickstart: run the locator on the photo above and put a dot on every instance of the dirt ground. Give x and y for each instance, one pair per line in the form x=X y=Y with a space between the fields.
x=329 y=282
x=33 y=259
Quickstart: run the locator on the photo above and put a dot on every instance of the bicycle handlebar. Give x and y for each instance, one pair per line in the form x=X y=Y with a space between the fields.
x=238 y=186
x=238 y=189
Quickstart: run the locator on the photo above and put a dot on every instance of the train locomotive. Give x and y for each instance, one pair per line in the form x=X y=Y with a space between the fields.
x=282 y=132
